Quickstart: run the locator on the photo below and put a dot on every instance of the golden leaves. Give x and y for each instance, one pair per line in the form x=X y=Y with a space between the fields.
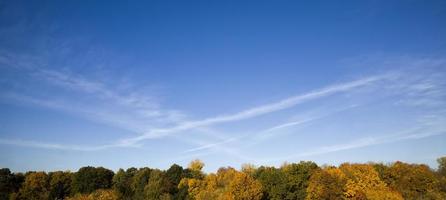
x=227 y=184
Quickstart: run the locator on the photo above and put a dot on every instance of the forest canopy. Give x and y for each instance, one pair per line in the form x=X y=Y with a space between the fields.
x=303 y=180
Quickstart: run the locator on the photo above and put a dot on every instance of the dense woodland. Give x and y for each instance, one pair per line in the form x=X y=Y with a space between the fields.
x=304 y=180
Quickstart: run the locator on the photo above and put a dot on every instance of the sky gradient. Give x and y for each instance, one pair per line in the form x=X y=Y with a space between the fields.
x=228 y=82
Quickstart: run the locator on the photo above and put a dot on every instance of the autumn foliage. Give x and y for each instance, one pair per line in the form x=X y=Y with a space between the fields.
x=303 y=180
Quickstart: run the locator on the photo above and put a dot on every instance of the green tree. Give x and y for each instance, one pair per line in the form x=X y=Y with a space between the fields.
x=60 y=184
x=273 y=182
x=122 y=183
x=89 y=179
x=9 y=183
x=442 y=166
x=157 y=186
x=442 y=174
x=139 y=182
x=174 y=175
x=298 y=176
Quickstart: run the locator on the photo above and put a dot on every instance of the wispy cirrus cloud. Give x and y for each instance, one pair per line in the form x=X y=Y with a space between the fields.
x=415 y=86
x=70 y=92
x=86 y=86
x=99 y=89
x=251 y=139
x=260 y=110
x=54 y=146
x=211 y=145
x=412 y=88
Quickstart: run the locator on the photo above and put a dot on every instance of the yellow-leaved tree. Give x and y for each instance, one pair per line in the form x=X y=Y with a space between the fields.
x=327 y=183
x=363 y=182
x=101 y=194
x=226 y=184
x=414 y=181
x=35 y=187
x=349 y=181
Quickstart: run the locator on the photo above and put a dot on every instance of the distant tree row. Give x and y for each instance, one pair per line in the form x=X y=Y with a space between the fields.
x=304 y=180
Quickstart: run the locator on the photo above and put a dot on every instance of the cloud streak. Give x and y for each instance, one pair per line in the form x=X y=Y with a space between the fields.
x=53 y=146
x=251 y=139
x=211 y=145
x=86 y=86
x=94 y=100
x=260 y=110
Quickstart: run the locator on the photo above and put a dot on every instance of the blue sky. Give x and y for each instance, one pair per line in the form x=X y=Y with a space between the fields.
x=228 y=82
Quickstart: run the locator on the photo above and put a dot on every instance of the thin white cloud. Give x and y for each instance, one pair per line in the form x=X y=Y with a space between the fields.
x=260 y=110
x=74 y=82
x=414 y=90
x=53 y=146
x=289 y=124
x=151 y=111
x=91 y=113
x=94 y=96
x=208 y=145
x=254 y=138
x=95 y=101
x=211 y=145
x=245 y=114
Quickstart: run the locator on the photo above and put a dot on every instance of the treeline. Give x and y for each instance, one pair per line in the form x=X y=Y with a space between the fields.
x=304 y=180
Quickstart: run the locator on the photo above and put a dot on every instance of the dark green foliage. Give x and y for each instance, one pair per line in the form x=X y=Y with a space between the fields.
x=182 y=193
x=442 y=174
x=122 y=182
x=381 y=169
x=158 y=186
x=174 y=175
x=139 y=182
x=89 y=179
x=5 y=183
x=9 y=183
x=273 y=181
x=288 y=182
x=298 y=176
x=442 y=166
x=60 y=184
